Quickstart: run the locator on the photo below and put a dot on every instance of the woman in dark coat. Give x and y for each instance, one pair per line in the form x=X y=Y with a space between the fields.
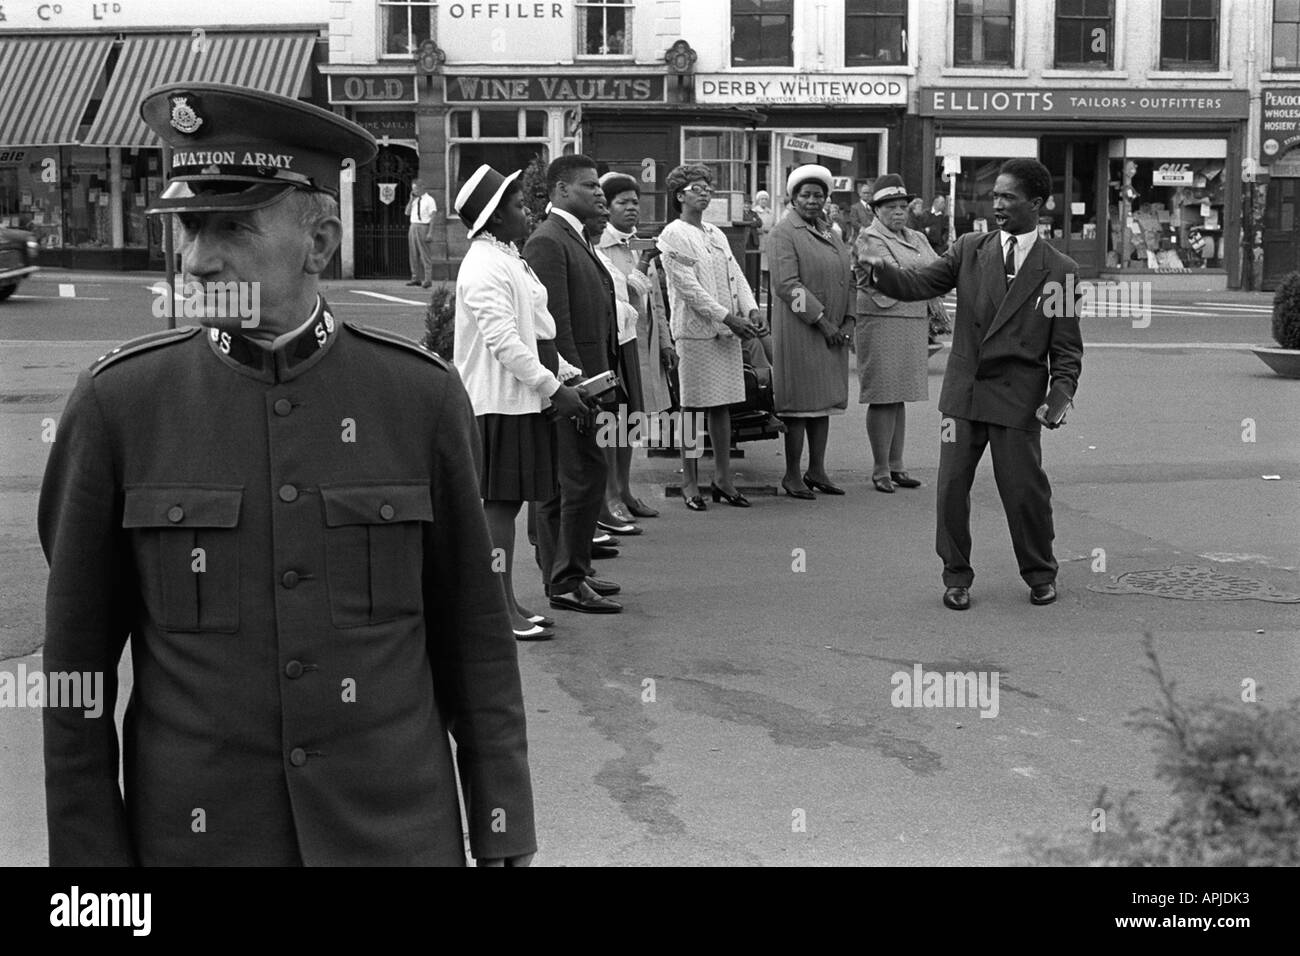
x=812 y=325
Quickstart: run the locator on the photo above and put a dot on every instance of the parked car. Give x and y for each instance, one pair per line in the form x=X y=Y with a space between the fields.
x=18 y=251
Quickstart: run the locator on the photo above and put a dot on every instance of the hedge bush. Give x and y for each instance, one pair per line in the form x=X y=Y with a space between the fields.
x=440 y=320
x=1286 y=312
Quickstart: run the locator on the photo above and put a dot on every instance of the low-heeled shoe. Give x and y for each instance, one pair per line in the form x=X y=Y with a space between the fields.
x=585 y=600
x=957 y=598
x=903 y=479
x=602 y=587
x=1042 y=593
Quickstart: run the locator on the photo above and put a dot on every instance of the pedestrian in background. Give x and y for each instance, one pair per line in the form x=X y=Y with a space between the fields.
x=501 y=318
x=936 y=224
x=419 y=234
x=812 y=325
x=713 y=310
x=892 y=336
x=861 y=214
x=766 y=220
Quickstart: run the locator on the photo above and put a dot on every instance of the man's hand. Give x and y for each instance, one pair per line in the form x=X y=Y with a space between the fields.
x=568 y=403
x=525 y=860
x=831 y=333
x=668 y=358
x=1041 y=415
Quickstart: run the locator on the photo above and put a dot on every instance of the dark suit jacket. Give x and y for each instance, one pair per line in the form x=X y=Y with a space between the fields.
x=579 y=295
x=860 y=216
x=1008 y=344
x=311 y=610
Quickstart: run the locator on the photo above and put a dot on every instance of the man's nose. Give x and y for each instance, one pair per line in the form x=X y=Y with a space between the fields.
x=200 y=256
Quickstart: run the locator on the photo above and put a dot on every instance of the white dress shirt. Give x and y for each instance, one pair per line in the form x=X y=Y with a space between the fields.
x=1024 y=242
x=422 y=210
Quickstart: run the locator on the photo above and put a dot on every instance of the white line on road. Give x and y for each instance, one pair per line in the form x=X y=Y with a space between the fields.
x=390 y=298
x=75 y=298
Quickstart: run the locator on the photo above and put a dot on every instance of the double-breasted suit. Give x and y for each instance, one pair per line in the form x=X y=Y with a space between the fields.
x=580 y=296
x=1013 y=348
x=292 y=541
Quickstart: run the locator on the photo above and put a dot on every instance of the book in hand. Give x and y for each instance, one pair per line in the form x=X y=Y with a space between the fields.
x=1057 y=403
x=598 y=385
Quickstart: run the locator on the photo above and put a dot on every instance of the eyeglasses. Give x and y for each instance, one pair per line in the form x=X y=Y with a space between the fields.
x=699 y=189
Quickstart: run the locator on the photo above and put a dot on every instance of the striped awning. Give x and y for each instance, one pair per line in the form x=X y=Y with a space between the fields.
x=45 y=86
x=271 y=62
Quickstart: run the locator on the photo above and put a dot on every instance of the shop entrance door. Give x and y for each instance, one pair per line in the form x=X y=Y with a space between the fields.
x=379 y=219
x=1281 y=239
x=1074 y=216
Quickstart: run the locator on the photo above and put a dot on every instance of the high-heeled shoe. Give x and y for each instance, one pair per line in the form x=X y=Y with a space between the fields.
x=903 y=479
x=695 y=503
x=799 y=493
x=883 y=484
x=736 y=501
x=825 y=487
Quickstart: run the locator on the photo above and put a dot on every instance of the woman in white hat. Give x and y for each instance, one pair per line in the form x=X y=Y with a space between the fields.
x=812 y=325
x=505 y=353
x=892 y=336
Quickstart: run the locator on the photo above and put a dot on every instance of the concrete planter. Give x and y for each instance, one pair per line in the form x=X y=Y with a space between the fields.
x=1285 y=362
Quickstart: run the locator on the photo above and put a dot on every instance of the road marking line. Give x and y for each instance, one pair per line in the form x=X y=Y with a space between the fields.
x=67 y=291
x=79 y=298
x=389 y=298
x=1226 y=346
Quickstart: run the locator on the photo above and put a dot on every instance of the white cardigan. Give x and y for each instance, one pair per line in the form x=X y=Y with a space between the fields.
x=500 y=314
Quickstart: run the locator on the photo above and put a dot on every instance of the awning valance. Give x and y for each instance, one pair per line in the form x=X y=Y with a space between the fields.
x=275 y=63
x=45 y=86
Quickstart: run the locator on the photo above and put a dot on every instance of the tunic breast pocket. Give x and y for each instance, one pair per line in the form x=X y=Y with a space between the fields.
x=374 y=550
x=186 y=545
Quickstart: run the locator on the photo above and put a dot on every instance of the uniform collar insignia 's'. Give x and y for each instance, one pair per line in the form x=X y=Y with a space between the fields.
x=185 y=118
x=313 y=337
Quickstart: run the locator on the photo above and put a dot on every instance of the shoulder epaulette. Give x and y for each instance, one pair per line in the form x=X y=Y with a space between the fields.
x=143 y=344
x=392 y=338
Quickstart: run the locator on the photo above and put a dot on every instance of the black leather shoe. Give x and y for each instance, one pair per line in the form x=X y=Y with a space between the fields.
x=799 y=493
x=1042 y=593
x=825 y=487
x=611 y=527
x=585 y=600
x=414 y=282
x=535 y=633
x=883 y=484
x=603 y=551
x=695 y=503
x=957 y=598
x=736 y=501
x=639 y=509
x=540 y=620
x=602 y=587
x=606 y=539
x=903 y=479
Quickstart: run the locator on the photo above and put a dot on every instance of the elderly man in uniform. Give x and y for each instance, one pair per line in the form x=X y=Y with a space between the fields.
x=281 y=512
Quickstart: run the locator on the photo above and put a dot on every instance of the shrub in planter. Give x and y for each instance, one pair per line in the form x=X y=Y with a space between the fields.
x=440 y=320
x=1286 y=312
x=1234 y=770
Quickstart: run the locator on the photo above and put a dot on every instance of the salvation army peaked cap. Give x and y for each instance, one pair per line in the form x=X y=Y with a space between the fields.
x=235 y=148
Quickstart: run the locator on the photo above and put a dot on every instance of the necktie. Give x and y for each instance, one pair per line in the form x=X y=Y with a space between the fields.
x=1011 y=259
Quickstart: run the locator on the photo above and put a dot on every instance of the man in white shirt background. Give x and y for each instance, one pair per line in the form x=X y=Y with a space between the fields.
x=421 y=207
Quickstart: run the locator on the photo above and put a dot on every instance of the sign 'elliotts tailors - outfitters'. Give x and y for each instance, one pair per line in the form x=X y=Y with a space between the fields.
x=995 y=102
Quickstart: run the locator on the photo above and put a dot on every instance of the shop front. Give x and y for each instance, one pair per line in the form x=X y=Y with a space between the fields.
x=1279 y=150
x=1144 y=183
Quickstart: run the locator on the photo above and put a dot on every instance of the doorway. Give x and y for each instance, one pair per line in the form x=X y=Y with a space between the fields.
x=1073 y=219
x=379 y=217
x=1281 y=241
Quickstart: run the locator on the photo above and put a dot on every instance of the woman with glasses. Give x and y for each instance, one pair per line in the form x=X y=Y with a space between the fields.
x=712 y=309
x=812 y=323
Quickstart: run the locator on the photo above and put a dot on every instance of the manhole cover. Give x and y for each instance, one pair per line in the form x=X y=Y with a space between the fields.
x=29 y=398
x=1189 y=583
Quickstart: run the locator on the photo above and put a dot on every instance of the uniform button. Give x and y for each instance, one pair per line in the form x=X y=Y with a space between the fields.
x=298 y=757
x=288 y=493
x=175 y=513
x=293 y=670
x=386 y=512
x=283 y=407
x=290 y=579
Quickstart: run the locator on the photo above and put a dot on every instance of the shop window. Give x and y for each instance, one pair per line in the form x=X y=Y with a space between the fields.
x=725 y=154
x=875 y=32
x=983 y=33
x=86 y=197
x=1085 y=31
x=604 y=28
x=761 y=32
x=1166 y=215
x=405 y=24
x=973 y=208
x=1286 y=34
x=1189 y=35
x=506 y=139
x=141 y=184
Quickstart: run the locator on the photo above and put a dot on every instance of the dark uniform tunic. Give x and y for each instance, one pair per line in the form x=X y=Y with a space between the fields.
x=295 y=544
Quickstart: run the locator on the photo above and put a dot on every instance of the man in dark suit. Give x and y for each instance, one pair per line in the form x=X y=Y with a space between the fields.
x=861 y=214
x=281 y=512
x=580 y=297
x=1016 y=356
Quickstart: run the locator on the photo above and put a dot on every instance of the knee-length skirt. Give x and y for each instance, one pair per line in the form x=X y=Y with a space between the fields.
x=711 y=372
x=893 y=358
x=519 y=457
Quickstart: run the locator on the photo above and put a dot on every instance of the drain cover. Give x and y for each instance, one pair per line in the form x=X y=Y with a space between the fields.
x=1189 y=583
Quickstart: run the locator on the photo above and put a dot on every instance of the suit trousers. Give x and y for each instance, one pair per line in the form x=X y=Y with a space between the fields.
x=1023 y=486
x=566 y=523
x=420 y=250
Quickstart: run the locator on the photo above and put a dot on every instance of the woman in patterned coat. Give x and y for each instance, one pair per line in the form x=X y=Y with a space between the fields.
x=712 y=309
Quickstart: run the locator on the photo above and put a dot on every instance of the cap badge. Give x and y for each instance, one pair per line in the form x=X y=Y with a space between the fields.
x=184 y=118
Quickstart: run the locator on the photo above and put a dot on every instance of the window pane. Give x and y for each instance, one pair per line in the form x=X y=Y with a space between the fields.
x=462 y=124
x=1200 y=46
x=1201 y=8
x=498 y=123
x=997 y=41
x=592 y=24
x=396 y=39
x=997 y=8
x=535 y=123
x=744 y=39
x=422 y=23
x=1069 y=8
x=503 y=157
x=1173 y=44
x=1286 y=11
x=962 y=40
x=1067 y=41
x=774 y=41
x=1285 y=43
x=969 y=8
x=1097 y=8
x=615 y=34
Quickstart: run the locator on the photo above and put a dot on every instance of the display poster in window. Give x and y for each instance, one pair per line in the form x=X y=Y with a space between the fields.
x=1172 y=174
x=718 y=211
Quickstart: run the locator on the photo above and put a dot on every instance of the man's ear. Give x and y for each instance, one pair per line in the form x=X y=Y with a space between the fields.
x=324 y=239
